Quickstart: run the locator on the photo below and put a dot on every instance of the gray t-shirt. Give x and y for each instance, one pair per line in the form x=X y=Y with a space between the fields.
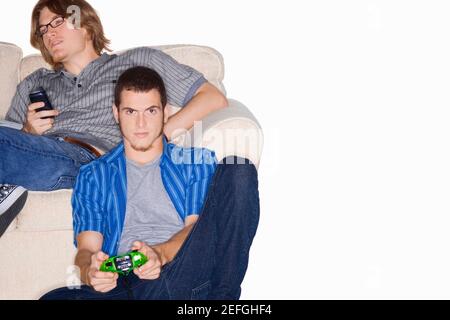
x=150 y=214
x=85 y=101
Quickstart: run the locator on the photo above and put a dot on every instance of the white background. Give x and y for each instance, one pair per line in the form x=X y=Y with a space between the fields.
x=353 y=100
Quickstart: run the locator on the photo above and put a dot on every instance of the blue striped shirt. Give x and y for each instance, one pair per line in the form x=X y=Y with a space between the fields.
x=100 y=192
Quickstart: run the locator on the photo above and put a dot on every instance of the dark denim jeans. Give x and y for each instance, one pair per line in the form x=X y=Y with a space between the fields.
x=39 y=163
x=213 y=260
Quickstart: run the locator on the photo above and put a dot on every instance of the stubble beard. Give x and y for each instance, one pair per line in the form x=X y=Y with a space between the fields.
x=145 y=147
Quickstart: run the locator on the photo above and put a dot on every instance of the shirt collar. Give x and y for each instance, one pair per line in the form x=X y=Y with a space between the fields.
x=98 y=61
x=120 y=149
x=165 y=152
x=164 y=144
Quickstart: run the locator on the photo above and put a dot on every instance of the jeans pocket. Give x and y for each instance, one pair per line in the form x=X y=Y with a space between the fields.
x=201 y=292
x=86 y=156
x=64 y=182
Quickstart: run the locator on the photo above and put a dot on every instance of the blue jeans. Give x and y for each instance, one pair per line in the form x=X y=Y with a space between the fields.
x=213 y=259
x=39 y=163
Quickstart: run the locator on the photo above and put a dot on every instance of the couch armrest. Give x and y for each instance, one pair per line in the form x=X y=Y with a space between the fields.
x=10 y=56
x=231 y=131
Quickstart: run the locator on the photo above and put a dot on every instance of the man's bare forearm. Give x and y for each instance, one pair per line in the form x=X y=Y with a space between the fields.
x=169 y=249
x=207 y=100
x=83 y=261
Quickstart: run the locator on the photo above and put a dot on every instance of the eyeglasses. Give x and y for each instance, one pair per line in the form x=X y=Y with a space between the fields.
x=43 y=29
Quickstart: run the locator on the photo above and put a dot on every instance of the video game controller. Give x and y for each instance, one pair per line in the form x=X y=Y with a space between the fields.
x=125 y=263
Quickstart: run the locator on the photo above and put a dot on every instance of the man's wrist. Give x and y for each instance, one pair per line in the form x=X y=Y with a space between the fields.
x=84 y=275
x=159 y=249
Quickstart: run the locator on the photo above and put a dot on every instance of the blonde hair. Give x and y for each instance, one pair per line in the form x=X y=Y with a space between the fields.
x=89 y=20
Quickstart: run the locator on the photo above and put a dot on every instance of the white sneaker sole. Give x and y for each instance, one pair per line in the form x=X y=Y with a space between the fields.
x=11 y=206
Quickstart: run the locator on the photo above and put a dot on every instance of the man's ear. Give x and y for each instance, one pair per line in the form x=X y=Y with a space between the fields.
x=166 y=113
x=87 y=36
x=115 y=112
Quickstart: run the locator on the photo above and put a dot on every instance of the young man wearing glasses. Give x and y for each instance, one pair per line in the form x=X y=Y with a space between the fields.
x=48 y=151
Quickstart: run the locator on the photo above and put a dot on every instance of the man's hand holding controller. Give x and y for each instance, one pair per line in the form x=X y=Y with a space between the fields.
x=40 y=114
x=151 y=270
x=99 y=280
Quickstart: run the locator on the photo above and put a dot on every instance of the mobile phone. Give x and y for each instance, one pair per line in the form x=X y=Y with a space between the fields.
x=39 y=95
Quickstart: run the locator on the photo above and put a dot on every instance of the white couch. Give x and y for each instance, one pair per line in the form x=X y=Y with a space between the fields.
x=37 y=250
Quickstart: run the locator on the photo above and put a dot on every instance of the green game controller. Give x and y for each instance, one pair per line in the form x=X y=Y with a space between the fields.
x=125 y=263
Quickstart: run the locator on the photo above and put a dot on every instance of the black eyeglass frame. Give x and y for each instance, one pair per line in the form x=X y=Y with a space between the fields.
x=41 y=34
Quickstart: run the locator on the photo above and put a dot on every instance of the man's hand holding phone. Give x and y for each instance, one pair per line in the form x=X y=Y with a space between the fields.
x=35 y=123
x=40 y=114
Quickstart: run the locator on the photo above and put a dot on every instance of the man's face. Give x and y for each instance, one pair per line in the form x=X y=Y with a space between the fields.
x=63 y=42
x=141 y=118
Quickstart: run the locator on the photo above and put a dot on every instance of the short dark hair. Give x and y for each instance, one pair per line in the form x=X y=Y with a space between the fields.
x=140 y=79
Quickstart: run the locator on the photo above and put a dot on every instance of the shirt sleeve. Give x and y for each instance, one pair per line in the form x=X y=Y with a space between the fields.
x=86 y=204
x=202 y=172
x=181 y=81
x=19 y=105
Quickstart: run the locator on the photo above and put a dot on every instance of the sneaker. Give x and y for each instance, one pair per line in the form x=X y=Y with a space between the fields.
x=12 y=200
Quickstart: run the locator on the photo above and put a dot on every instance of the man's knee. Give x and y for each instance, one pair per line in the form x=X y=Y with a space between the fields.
x=237 y=184
x=6 y=132
x=10 y=134
x=239 y=173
